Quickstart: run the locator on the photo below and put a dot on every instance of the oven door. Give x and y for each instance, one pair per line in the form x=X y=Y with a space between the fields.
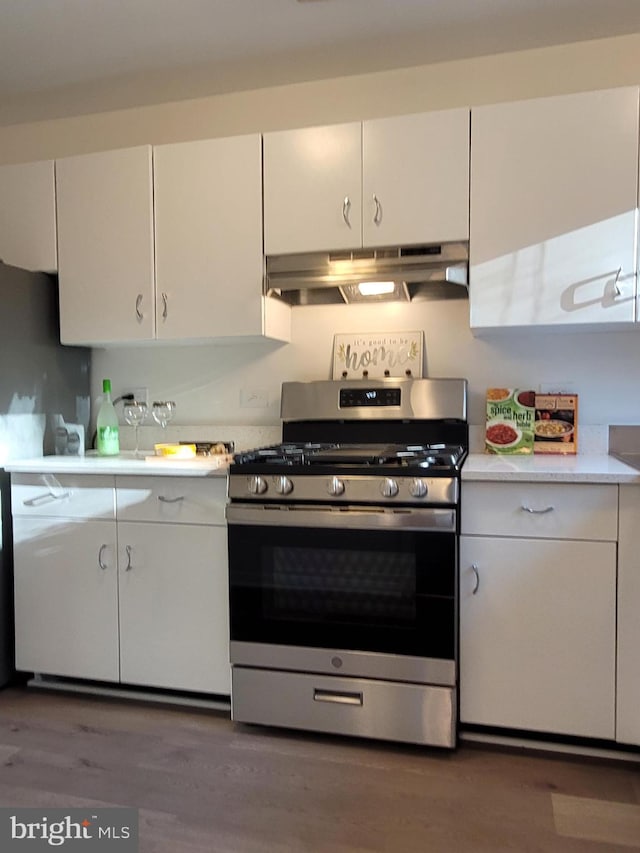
x=370 y=590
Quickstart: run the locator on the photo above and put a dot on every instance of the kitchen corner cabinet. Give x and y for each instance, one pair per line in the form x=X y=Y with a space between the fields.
x=401 y=180
x=553 y=211
x=105 y=247
x=164 y=244
x=538 y=607
x=28 y=216
x=122 y=579
x=628 y=704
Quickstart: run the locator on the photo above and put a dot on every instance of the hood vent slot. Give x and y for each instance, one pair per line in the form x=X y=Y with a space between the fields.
x=434 y=271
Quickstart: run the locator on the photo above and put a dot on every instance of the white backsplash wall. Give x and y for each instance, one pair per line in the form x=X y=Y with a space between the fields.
x=230 y=384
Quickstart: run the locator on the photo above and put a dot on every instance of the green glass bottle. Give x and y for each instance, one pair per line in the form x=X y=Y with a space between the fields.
x=108 y=436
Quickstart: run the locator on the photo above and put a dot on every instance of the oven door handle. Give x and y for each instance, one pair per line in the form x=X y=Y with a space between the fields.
x=343 y=517
x=337 y=697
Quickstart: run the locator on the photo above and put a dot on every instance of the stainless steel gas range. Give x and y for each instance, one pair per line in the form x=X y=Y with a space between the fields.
x=343 y=562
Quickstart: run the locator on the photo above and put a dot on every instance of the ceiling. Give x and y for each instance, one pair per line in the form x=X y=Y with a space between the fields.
x=66 y=56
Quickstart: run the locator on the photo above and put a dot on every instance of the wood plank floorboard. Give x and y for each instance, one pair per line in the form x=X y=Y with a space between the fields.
x=202 y=783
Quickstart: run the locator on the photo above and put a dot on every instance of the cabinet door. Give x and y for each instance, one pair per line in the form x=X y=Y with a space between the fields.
x=174 y=625
x=415 y=184
x=537 y=637
x=28 y=216
x=208 y=220
x=105 y=247
x=313 y=189
x=66 y=598
x=553 y=208
x=628 y=704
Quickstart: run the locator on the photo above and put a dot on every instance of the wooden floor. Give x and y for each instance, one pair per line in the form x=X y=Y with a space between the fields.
x=202 y=783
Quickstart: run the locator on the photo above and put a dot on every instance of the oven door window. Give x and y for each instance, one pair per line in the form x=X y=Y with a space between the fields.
x=378 y=591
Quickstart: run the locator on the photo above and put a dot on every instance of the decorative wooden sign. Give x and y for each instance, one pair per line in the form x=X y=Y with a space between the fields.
x=374 y=355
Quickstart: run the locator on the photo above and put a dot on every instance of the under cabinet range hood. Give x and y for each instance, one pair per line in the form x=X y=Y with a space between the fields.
x=433 y=271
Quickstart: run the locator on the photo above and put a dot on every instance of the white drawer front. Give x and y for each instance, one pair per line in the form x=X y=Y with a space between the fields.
x=545 y=510
x=63 y=495
x=182 y=500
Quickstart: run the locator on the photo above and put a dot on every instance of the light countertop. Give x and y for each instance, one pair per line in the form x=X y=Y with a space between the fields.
x=124 y=463
x=580 y=468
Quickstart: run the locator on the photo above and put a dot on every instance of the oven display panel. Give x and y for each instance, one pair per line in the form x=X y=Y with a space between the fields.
x=352 y=398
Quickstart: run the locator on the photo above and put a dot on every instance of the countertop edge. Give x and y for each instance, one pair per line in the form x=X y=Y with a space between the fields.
x=114 y=466
x=596 y=468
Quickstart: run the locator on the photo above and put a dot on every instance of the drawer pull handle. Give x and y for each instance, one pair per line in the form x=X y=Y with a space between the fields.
x=139 y=313
x=337 y=698
x=128 y=567
x=101 y=562
x=170 y=500
x=474 y=569
x=46 y=498
x=537 y=511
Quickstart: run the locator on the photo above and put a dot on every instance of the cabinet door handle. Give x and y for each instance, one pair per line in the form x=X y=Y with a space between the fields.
x=337 y=697
x=128 y=567
x=474 y=569
x=377 y=216
x=346 y=208
x=139 y=313
x=170 y=500
x=46 y=498
x=101 y=562
x=165 y=303
x=525 y=508
x=616 y=286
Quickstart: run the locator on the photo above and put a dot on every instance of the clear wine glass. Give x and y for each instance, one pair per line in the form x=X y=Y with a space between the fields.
x=162 y=412
x=135 y=412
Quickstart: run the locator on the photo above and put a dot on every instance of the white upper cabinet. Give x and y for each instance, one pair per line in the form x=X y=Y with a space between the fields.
x=313 y=189
x=28 y=216
x=105 y=247
x=208 y=226
x=553 y=211
x=415 y=185
x=401 y=180
x=164 y=244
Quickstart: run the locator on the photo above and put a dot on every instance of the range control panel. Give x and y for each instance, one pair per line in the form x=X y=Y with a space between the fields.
x=352 y=398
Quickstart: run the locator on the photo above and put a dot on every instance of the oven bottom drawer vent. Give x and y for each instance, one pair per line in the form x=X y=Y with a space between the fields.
x=359 y=707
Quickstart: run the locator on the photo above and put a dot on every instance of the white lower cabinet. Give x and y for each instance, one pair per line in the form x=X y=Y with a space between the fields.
x=173 y=607
x=538 y=611
x=122 y=579
x=66 y=597
x=628 y=704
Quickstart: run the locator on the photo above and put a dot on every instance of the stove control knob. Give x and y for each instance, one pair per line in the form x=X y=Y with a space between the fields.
x=389 y=488
x=417 y=488
x=283 y=485
x=335 y=487
x=256 y=485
